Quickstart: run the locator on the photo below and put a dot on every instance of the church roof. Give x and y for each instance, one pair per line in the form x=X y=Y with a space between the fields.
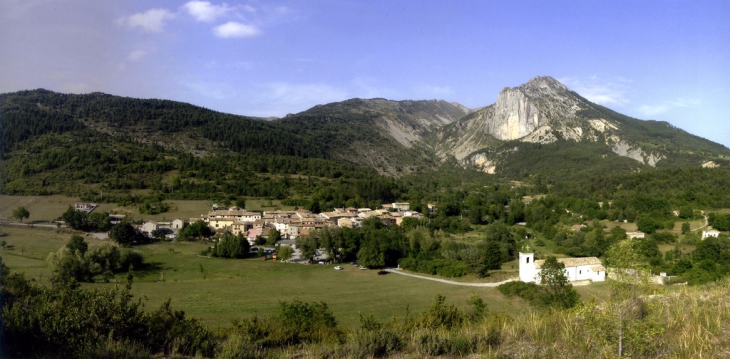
x=574 y=262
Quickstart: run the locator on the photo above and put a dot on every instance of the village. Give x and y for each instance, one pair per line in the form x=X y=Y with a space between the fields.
x=254 y=226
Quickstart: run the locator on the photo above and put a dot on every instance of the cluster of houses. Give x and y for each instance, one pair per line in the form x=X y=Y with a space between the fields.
x=289 y=224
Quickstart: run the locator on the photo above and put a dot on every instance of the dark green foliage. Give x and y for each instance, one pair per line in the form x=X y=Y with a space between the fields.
x=77 y=262
x=60 y=321
x=444 y=267
x=77 y=243
x=154 y=208
x=664 y=237
x=124 y=234
x=130 y=260
x=648 y=225
x=51 y=159
x=196 y=230
x=370 y=256
x=441 y=315
x=653 y=190
x=491 y=255
x=530 y=292
x=4 y=271
x=307 y=245
x=307 y=322
x=709 y=249
x=558 y=292
x=230 y=246
x=685 y=227
x=274 y=236
x=20 y=213
x=92 y=222
x=720 y=222
x=378 y=342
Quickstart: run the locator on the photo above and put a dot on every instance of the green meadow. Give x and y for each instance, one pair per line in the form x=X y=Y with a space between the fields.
x=219 y=290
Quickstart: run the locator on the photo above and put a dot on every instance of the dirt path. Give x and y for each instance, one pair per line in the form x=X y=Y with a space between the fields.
x=491 y=285
x=705 y=226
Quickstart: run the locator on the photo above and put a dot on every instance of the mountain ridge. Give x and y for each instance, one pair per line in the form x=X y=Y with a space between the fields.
x=392 y=137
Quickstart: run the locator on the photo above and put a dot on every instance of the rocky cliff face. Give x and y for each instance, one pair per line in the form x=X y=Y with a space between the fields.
x=514 y=116
x=540 y=111
x=519 y=111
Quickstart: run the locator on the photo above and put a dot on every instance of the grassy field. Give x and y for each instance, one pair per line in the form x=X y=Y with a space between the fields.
x=217 y=290
x=41 y=208
x=49 y=208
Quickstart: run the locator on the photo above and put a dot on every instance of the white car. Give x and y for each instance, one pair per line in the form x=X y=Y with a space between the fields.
x=338 y=268
x=362 y=268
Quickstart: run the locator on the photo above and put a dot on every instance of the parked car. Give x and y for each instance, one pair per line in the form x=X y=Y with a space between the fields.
x=383 y=272
x=362 y=268
x=338 y=268
x=320 y=262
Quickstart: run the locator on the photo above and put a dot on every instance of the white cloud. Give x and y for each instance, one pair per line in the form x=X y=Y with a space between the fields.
x=136 y=55
x=204 y=11
x=653 y=110
x=152 y=20
x=278 y=99
x=600 y=92
x=235 y=29
x=648 y=110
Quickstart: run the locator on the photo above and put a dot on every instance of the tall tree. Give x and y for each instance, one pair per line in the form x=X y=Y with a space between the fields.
x=20 y=213
x=123 y=233
x=559 y=292
x=629 y=279
x=77 y=243
x=274 y=236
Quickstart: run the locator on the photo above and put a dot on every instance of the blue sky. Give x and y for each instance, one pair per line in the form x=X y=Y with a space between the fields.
x=663 y=60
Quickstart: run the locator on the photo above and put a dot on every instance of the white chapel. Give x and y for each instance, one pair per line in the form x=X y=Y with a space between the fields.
x=589 y=268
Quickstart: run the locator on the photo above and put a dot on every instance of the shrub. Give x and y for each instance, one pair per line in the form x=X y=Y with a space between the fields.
x=130 y=260
x=440 y=315
x=378 y=343
x=444 y=267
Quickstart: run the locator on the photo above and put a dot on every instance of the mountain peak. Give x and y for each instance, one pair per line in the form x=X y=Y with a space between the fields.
x=542 y=85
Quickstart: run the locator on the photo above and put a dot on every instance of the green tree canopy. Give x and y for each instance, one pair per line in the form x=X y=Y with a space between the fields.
x=20 y=213
x=123 y=233
x=77 y=243
x=559 y=292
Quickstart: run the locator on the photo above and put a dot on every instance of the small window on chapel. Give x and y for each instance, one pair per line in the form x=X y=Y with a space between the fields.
x=527 y=260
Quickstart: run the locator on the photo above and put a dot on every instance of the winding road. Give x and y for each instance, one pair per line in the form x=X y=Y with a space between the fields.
x=491 y=285
x=697 y=229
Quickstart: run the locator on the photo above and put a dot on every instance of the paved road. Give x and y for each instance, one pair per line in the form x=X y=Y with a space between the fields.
x=491 y=285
